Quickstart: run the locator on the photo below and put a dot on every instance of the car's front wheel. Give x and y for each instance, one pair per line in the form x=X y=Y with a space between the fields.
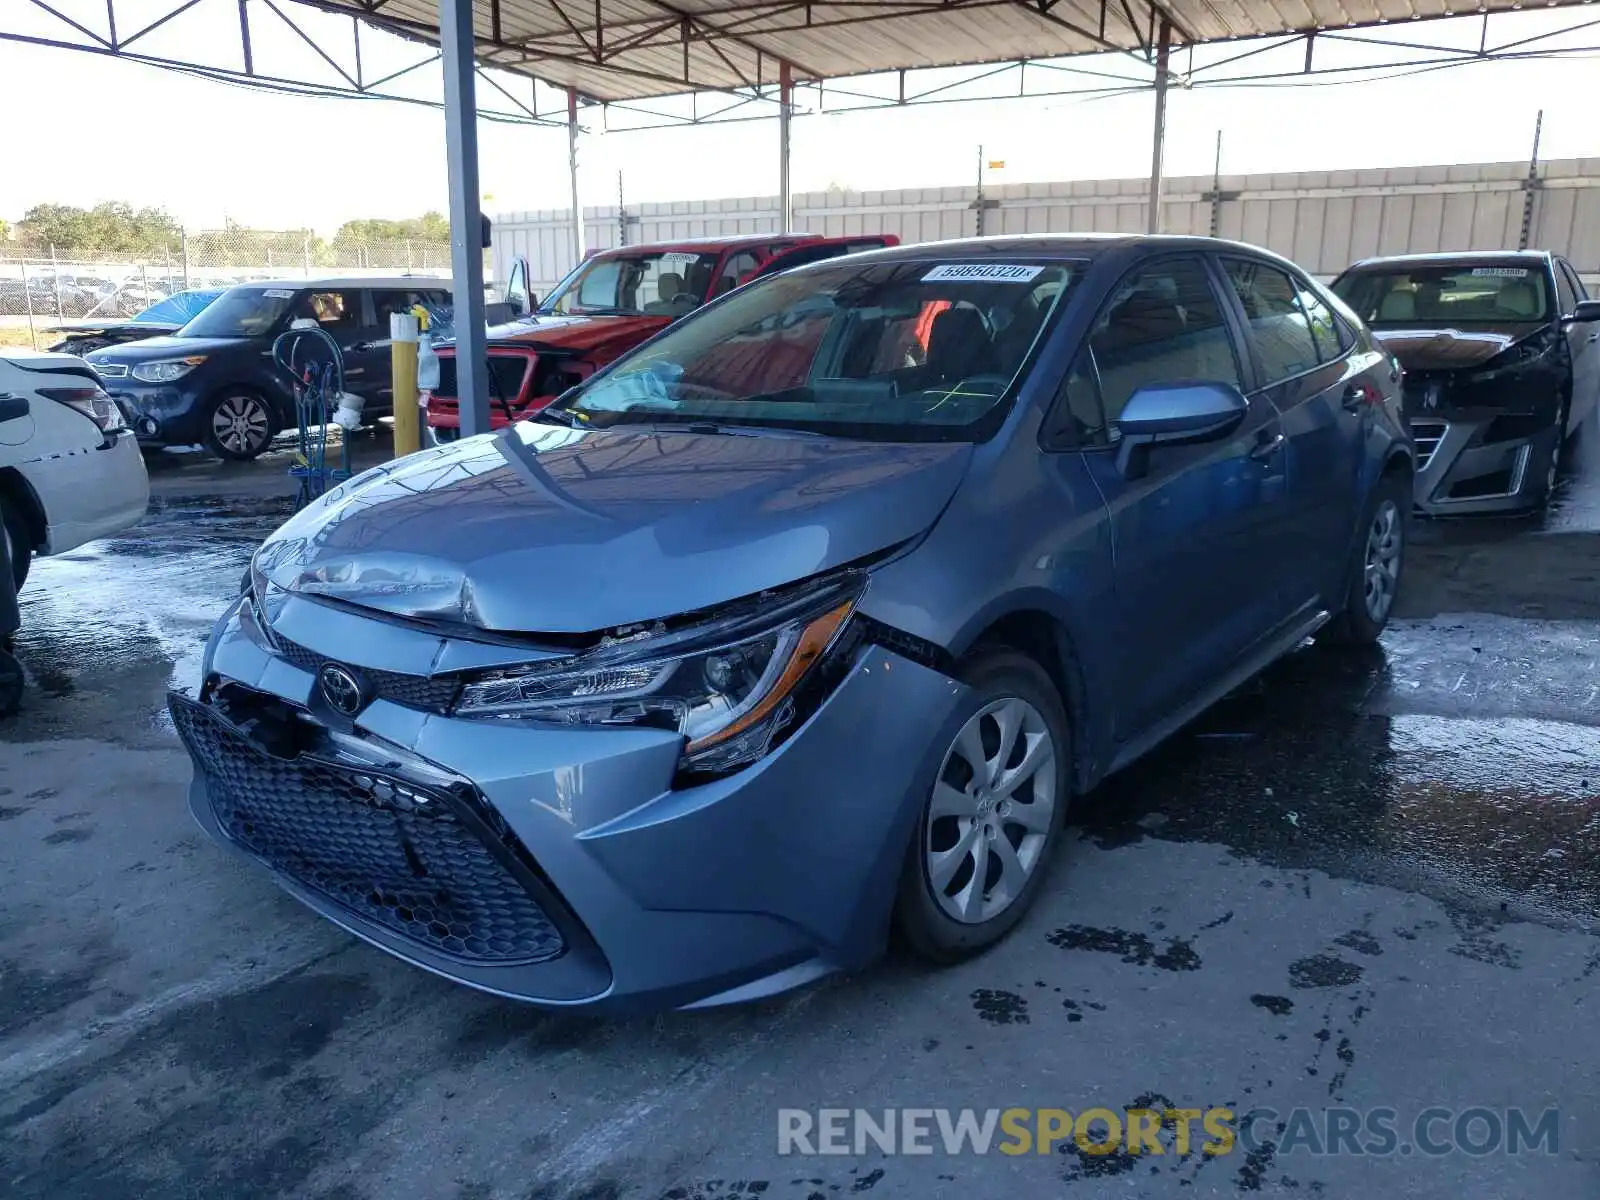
x=1376 y=565
x=992 y=819
x=238 y=425
x=15 y=530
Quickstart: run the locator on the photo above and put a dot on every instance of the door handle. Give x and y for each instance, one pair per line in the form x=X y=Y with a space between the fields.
x=1352 y=400
x=1267 y=446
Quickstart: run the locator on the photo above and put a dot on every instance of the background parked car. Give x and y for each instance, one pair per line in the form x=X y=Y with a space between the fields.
x=614 y=300
x=70 y=469
x=1501 y=353
x=213 y=381
x=165 y=316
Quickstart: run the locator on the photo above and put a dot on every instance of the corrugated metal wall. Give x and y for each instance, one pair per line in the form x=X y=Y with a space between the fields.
x=1323 y=220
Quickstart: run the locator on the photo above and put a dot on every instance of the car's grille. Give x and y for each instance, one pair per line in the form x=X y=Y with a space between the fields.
x=112 y=370
x=399 y=855
x=1427 y=435
x=431 y=694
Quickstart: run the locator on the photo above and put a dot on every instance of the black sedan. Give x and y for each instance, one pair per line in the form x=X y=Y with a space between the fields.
x=1501 y=353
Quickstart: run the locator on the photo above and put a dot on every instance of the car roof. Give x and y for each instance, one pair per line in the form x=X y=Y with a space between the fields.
x=1062 y=246
x=412 y=282
x=1455 y=257
x=707 y=244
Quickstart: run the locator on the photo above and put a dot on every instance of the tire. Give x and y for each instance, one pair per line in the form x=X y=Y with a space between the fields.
x=1558 y=452
x=937 y=882
x=1385 y=522
x=238 y=424
x=15 y=530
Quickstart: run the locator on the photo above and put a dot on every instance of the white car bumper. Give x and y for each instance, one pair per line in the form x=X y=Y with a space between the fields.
x=89 y=494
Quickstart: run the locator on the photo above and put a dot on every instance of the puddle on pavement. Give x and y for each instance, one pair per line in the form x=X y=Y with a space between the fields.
x=106 y=629
x=1320 y=765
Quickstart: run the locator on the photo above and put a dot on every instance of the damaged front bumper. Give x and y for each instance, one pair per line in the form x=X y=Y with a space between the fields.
x=562 y=866
x=1482 y=462
x=1484 y=445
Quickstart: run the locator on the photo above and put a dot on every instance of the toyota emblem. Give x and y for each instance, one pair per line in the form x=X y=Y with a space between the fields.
x=341 y=689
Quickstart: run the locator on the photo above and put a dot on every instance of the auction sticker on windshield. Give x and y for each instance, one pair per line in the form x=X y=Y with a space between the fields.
x=678 y=257
x=981 y=273
x=278 y=294
x=1500 y=272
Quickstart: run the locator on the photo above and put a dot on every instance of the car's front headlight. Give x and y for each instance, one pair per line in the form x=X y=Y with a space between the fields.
x=728 y=685
x=168 y=369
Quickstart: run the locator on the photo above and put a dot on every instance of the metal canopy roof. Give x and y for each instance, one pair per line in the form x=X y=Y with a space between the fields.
x=620 y=50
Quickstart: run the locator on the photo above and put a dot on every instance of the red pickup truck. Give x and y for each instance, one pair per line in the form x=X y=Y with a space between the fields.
x=613 y=301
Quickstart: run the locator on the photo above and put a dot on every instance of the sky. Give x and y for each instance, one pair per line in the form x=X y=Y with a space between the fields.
x=209 y=152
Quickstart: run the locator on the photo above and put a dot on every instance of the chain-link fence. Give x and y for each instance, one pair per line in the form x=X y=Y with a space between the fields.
x=47 y=285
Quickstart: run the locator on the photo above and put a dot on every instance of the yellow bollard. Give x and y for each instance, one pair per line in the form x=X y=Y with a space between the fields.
x=407 y=416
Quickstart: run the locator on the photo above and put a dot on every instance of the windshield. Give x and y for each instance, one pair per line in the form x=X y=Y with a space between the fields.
x=1460 y=294
x=667 y=283
x=178 y=308
x=240 y=312
x=899 y=351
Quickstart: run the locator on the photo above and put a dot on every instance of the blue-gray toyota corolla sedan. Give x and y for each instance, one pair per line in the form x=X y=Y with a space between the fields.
x=803 y=623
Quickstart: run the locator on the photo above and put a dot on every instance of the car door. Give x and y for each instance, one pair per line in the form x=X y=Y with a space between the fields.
x=1303 y=364
x=1584 y=340
x=363 y=336
x=1193 y=531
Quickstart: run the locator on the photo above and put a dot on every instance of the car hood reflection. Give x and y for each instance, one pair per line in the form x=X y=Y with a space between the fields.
x=547 y=530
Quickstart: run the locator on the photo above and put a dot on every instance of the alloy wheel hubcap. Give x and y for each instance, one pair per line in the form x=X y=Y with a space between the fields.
x=990 y=815
x=240 y=423
x=1382 y=564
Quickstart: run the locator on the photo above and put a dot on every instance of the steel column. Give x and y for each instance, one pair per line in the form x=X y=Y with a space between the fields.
x=1163 y=55
x=466 y=213
x=785 y=104
x=572 y=170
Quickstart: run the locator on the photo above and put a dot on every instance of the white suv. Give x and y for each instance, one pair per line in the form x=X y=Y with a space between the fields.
x=70 y=469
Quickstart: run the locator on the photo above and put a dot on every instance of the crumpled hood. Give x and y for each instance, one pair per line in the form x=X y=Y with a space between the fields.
x=598 y=336
x=1450 y=349
x=540 y=529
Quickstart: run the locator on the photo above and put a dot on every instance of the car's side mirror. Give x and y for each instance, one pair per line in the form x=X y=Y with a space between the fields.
x=1584 y=312
x=13 y=407
x=1175 y=412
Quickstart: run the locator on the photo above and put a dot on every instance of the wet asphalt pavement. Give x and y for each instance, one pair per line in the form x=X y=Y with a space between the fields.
x=1362 y=882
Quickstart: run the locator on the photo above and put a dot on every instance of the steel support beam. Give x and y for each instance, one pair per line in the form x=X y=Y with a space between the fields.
x=466 y=213
x=785 y=107
x=1163 y=57
x=572 y=172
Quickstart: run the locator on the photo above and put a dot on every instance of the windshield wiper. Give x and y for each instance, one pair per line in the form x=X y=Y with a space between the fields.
x=559 y=416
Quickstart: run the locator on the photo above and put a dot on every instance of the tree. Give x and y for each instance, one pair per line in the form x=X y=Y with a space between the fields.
x=429 y=227
x=110 y=227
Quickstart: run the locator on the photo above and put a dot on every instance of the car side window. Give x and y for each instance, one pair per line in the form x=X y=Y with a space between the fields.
x=1077 y=418
x=1577 y=280
x=1565 y=292
x=337 y=312
x=734 y=268
x=1162 y=324
x=387 y=303
x=1279 y=325
x=1324 y=329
